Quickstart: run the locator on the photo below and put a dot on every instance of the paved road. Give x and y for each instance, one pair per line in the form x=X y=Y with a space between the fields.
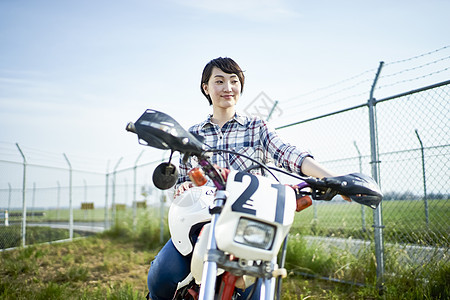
x=93 y=227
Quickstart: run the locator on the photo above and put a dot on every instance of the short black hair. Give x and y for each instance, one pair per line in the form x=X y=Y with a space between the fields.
x=227 y=65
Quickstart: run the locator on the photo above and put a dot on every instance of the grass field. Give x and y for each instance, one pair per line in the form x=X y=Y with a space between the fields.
x=98 y=272
x=106 y=268
x=404 y=222
x=114 y=265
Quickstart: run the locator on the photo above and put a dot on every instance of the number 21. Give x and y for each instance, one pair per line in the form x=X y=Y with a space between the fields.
x=243 y=199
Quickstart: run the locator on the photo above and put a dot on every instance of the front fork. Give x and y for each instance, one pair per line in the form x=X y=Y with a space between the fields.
x=208 y=286
x=268 y=288
x=207 y=290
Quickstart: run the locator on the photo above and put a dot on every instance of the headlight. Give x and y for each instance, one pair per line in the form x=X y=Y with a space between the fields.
x=255 y=234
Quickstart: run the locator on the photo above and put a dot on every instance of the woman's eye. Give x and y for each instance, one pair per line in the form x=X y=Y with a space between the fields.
x=219 y=82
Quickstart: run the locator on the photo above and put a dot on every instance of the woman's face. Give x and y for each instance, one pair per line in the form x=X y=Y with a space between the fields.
x=223 y=88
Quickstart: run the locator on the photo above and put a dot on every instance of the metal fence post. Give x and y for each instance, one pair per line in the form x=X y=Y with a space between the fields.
x=24 y=201
x=33 y=201
x=425 y=197
x=272 y=110
x=363 y=215
x=377 y=214
x=58 y=199
x=134 y=191
x=70 y=198
x=161 y=209
x=114 y=192
x=9 y=196
x=85 y=198
x=106 y=198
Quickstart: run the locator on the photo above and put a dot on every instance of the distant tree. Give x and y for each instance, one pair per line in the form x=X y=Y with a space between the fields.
x=438 y=196
x=408 y=195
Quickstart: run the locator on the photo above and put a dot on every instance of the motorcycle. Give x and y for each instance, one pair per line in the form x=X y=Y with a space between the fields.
x=244 y=218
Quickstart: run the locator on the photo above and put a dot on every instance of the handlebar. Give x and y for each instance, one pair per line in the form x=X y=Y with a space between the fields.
x=130 y=127
x=359 y=187
x=161 y=131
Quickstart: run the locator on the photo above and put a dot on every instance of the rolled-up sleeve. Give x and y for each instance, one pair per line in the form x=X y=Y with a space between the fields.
x=284 y=155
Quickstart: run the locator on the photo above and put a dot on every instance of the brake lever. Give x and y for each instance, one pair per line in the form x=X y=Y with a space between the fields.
x=325 y=195
x=320 y=188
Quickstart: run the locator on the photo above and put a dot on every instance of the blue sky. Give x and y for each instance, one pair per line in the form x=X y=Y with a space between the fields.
x=73 y=73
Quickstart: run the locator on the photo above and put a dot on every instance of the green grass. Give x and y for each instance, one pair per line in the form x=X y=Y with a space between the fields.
x=404 y=222
x=402 y=281
x=106 y=266
x=92 y=268
x=114 y=265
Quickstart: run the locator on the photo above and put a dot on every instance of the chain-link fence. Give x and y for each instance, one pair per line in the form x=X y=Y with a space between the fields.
x=51 y=202
x=402 y=141
x=413 y=162
x=414 y=154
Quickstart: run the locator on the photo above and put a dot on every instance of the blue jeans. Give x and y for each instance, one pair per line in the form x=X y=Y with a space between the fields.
x=170 y=267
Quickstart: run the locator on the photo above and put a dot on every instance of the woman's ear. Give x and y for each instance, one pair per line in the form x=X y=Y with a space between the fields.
x=205 y=88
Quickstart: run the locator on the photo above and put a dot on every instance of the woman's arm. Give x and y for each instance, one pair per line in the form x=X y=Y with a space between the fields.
x=311 y=167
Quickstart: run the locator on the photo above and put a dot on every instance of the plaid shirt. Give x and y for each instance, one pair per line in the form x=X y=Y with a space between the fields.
x=248 y=136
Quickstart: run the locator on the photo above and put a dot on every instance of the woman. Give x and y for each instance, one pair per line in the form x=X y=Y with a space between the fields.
x=222 y=84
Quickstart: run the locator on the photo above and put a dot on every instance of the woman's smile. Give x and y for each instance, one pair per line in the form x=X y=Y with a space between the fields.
x=223 y=88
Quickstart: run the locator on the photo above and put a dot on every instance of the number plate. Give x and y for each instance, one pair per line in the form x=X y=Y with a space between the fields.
x=261 y=197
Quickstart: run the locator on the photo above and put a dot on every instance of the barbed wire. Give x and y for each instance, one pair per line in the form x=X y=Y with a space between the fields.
x=8 y=151
x=315 y=100
x=415 y=68
x=418 y=56
x=315 y=107
x=319 y=101
x=333 y=85
x=413 y=79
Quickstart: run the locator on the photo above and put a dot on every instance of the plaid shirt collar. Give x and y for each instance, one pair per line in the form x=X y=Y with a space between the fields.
x=240 y=119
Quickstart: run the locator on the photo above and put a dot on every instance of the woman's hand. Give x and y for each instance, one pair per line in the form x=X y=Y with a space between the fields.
x=310 y=167
x=346 y=198
x=182 y=188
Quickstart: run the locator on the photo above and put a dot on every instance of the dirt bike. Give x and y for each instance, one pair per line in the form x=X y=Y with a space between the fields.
x=244 y=218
